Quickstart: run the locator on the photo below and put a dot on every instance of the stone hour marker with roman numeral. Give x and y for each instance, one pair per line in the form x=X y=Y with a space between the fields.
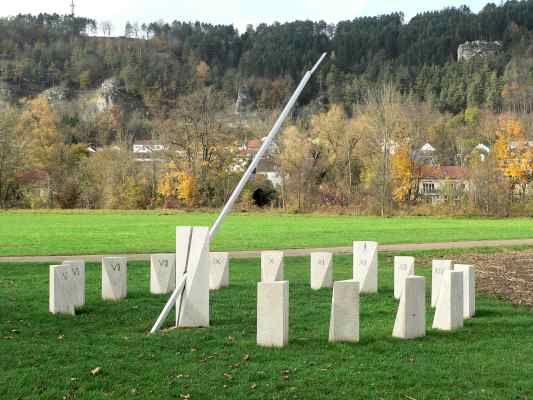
x=162 y=273
x=114 y=278
x=77 y=270
x=218 y=270
x=62 y=292
x=403 y=267
x=271 y=266
x=365 y=266
x=321 y=270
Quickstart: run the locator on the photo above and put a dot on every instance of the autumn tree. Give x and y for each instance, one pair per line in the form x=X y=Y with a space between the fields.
x=388 y=128
x=111 y=178
x=339 y=137
x=42 y=143
x=197 y=138
x=10 y=156
x=405 y=174
x=297 y=162
x=514 y=154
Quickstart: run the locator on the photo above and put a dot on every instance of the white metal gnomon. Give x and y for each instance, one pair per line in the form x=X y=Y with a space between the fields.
x=191 y=259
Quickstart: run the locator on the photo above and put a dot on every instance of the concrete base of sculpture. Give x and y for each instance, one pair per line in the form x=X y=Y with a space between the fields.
x=62 y=295
x=192 y=258
x=344 y=320
x=271 y=266
x=273 y=314
x=469 y=289
x=162 y=273
x=437 y=270
x=403 y=267
x=449 y=311
x=321 y=270
x=77 y=269
x=411 y=316
x=218 y=271
x=365 y=266
x=114 y=278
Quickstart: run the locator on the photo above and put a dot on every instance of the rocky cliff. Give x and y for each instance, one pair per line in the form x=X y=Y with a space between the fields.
x=478 y=48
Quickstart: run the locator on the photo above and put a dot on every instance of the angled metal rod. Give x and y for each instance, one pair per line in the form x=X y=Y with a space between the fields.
x=271 y=136
x=168 y=307
x=242 y=183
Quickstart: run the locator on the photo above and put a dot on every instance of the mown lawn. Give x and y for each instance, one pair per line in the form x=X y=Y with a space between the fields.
x=50 y=357
x=42 y=233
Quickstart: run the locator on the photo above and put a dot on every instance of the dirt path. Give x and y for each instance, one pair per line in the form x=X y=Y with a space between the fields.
x=294 y=252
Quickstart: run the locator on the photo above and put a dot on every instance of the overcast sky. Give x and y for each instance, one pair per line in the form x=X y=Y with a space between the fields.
x=237 y=12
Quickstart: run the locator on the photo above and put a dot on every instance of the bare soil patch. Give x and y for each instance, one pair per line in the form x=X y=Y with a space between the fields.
x=508 y=275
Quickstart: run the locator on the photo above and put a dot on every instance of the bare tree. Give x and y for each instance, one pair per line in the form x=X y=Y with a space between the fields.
x=106 y=27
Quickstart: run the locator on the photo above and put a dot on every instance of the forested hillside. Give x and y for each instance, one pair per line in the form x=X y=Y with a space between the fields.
x=71 y=85
x=38 y=52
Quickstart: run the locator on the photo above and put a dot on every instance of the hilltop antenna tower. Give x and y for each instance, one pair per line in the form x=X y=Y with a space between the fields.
x=72 y=8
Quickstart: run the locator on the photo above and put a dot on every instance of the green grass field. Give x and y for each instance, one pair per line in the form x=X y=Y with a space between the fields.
x=56 y=233
x=50 y=357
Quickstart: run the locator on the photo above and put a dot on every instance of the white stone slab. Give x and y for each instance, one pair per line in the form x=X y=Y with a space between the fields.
x=321 y=270
x=365 y=266
x=192 y=257
x=437 y=270
x=77 y=269
x=273 y=314
x=218 y=270
x=411 y=316
x=469 y=289
x=449 y=311
x=62 y=296
x=162 y=273
x=271 y=266
x=344 y=319
x=114 y=278
x=403 y=267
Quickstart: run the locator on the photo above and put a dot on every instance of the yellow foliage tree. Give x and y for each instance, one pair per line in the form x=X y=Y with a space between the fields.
x=177 y=185
x=338 y=137
x=513 y=154
x=187 y=189
x=39 y=135
x=402 y=170
x=168 y=185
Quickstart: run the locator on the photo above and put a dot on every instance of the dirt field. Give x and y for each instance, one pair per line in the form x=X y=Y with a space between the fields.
x=508 y=274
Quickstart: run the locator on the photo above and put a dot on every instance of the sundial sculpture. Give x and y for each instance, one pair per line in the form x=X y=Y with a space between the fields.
x=193 y=307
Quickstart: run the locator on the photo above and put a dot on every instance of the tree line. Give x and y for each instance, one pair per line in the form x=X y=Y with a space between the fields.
x=387 y=88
